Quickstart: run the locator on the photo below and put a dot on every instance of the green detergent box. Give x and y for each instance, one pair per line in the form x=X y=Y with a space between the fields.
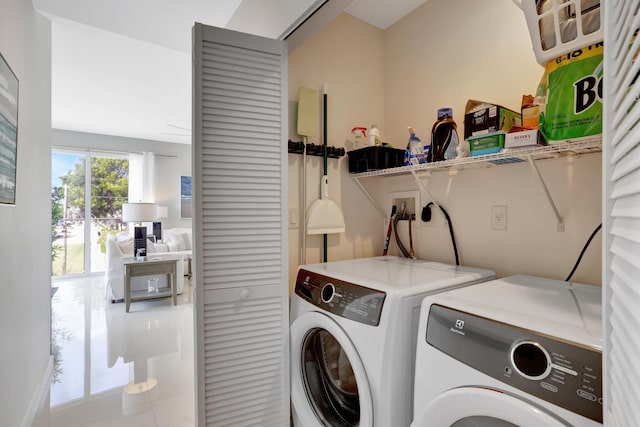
x=486 y=144
x=483 y=117
x=571 y=88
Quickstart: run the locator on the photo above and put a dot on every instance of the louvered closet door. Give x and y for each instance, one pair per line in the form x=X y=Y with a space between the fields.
x=621 y=214
x=240 y=232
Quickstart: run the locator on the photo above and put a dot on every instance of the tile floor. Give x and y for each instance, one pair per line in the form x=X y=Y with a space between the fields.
x=121 y=369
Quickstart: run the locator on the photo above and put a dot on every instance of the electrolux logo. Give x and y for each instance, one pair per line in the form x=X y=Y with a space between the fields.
x=459 y=326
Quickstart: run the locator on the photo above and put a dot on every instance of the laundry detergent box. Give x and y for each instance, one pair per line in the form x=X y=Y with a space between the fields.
x=483 y=117
x=486 y=144
x=571 y=91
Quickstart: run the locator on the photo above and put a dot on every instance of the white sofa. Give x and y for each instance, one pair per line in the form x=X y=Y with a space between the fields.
x=176 y=243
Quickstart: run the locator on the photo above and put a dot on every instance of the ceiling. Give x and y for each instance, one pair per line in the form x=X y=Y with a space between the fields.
x=123 y=67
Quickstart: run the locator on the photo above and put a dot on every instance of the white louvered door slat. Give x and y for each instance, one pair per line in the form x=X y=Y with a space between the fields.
x=621 y=213
x=240 y=199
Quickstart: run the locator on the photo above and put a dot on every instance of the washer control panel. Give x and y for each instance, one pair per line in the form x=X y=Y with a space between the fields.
x=561 y=372
x=342 y=298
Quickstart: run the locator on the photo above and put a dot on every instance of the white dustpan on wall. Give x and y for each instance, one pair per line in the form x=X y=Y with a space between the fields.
x=325 y=217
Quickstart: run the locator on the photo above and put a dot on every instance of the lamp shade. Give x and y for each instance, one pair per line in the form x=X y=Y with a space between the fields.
x=139 y=212
x=163 y=212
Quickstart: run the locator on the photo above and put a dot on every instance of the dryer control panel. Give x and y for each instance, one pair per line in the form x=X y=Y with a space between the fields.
x=561 y=372
x=342 y=298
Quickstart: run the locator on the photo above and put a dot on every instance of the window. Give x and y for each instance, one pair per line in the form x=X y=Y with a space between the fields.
x=78 y=193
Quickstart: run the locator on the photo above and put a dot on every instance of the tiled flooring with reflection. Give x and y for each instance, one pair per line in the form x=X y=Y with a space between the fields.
x=121 y=369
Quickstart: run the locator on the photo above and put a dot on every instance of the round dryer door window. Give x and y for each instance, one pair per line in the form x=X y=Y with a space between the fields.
x=328 y=374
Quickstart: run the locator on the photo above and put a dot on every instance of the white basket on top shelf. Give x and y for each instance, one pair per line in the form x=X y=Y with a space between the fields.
x=560 y=27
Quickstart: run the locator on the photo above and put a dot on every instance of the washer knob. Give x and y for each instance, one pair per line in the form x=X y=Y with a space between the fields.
x=531 y=360
x=328 y=292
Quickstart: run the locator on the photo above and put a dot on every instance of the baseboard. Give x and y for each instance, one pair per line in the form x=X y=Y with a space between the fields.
x=38 y=412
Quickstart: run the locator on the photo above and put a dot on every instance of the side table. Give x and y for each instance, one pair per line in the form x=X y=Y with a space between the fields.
x=150 y=268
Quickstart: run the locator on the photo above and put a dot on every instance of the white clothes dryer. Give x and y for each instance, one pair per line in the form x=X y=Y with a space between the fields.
x=520 y=351
x=353 y=337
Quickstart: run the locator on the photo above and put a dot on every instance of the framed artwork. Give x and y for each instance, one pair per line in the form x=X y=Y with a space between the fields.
x=8 y=133
x=185 y=197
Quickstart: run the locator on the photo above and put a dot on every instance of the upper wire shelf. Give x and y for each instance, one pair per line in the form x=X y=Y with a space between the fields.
x=507 y=156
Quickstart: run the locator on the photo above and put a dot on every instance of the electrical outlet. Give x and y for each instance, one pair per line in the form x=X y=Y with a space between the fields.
x=498 y=217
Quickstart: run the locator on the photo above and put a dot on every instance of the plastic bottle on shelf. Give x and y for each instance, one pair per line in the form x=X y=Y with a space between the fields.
x=373 y=139
x=415 y=149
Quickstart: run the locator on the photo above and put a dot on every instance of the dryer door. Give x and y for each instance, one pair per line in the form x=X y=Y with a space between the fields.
x=329 y=385
x=483 y=407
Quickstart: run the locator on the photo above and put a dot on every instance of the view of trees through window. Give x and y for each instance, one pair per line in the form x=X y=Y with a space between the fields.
x=78 y=246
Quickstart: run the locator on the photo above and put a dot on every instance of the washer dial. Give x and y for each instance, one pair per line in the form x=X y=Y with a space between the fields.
x=328 y=292
x=530 y=360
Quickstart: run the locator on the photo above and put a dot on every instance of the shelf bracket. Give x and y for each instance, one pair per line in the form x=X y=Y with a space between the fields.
x=366 y=193
x=424 y=188
x=546 y=192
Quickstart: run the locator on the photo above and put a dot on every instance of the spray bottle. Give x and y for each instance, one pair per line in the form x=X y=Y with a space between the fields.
x=360 y=133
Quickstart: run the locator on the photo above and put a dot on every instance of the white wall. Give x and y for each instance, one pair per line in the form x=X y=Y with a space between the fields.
x=531 y=244
x=25 y=252
x=442 y=54
x=446 y=52
x=348 y=55
x=172 y=161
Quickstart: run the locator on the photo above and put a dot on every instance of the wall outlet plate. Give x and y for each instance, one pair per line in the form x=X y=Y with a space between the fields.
x=499 y=217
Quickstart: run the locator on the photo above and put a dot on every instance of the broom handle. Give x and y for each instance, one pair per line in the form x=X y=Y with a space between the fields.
x=324 y=143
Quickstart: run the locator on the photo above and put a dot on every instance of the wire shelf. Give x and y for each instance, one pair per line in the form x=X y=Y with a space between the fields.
x=506 y=156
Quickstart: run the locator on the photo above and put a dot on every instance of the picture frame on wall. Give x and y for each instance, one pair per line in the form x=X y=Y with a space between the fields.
x=185 y=197
x=8 y=133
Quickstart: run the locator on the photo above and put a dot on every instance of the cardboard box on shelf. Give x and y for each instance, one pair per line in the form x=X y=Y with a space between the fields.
x=486 y=144
x=530 y=111
x=530 y=115
x=483 y=117
x=523 y=138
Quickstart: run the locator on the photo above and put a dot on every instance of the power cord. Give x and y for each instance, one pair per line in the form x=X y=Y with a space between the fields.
x=450 y=224
x=584 y=249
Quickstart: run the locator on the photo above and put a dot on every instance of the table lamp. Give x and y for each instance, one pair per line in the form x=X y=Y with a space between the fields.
x=163 y=212
x=139 y=213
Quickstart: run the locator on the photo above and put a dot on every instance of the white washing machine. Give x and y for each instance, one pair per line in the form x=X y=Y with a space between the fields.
x=353 y=337
x=519 y=351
